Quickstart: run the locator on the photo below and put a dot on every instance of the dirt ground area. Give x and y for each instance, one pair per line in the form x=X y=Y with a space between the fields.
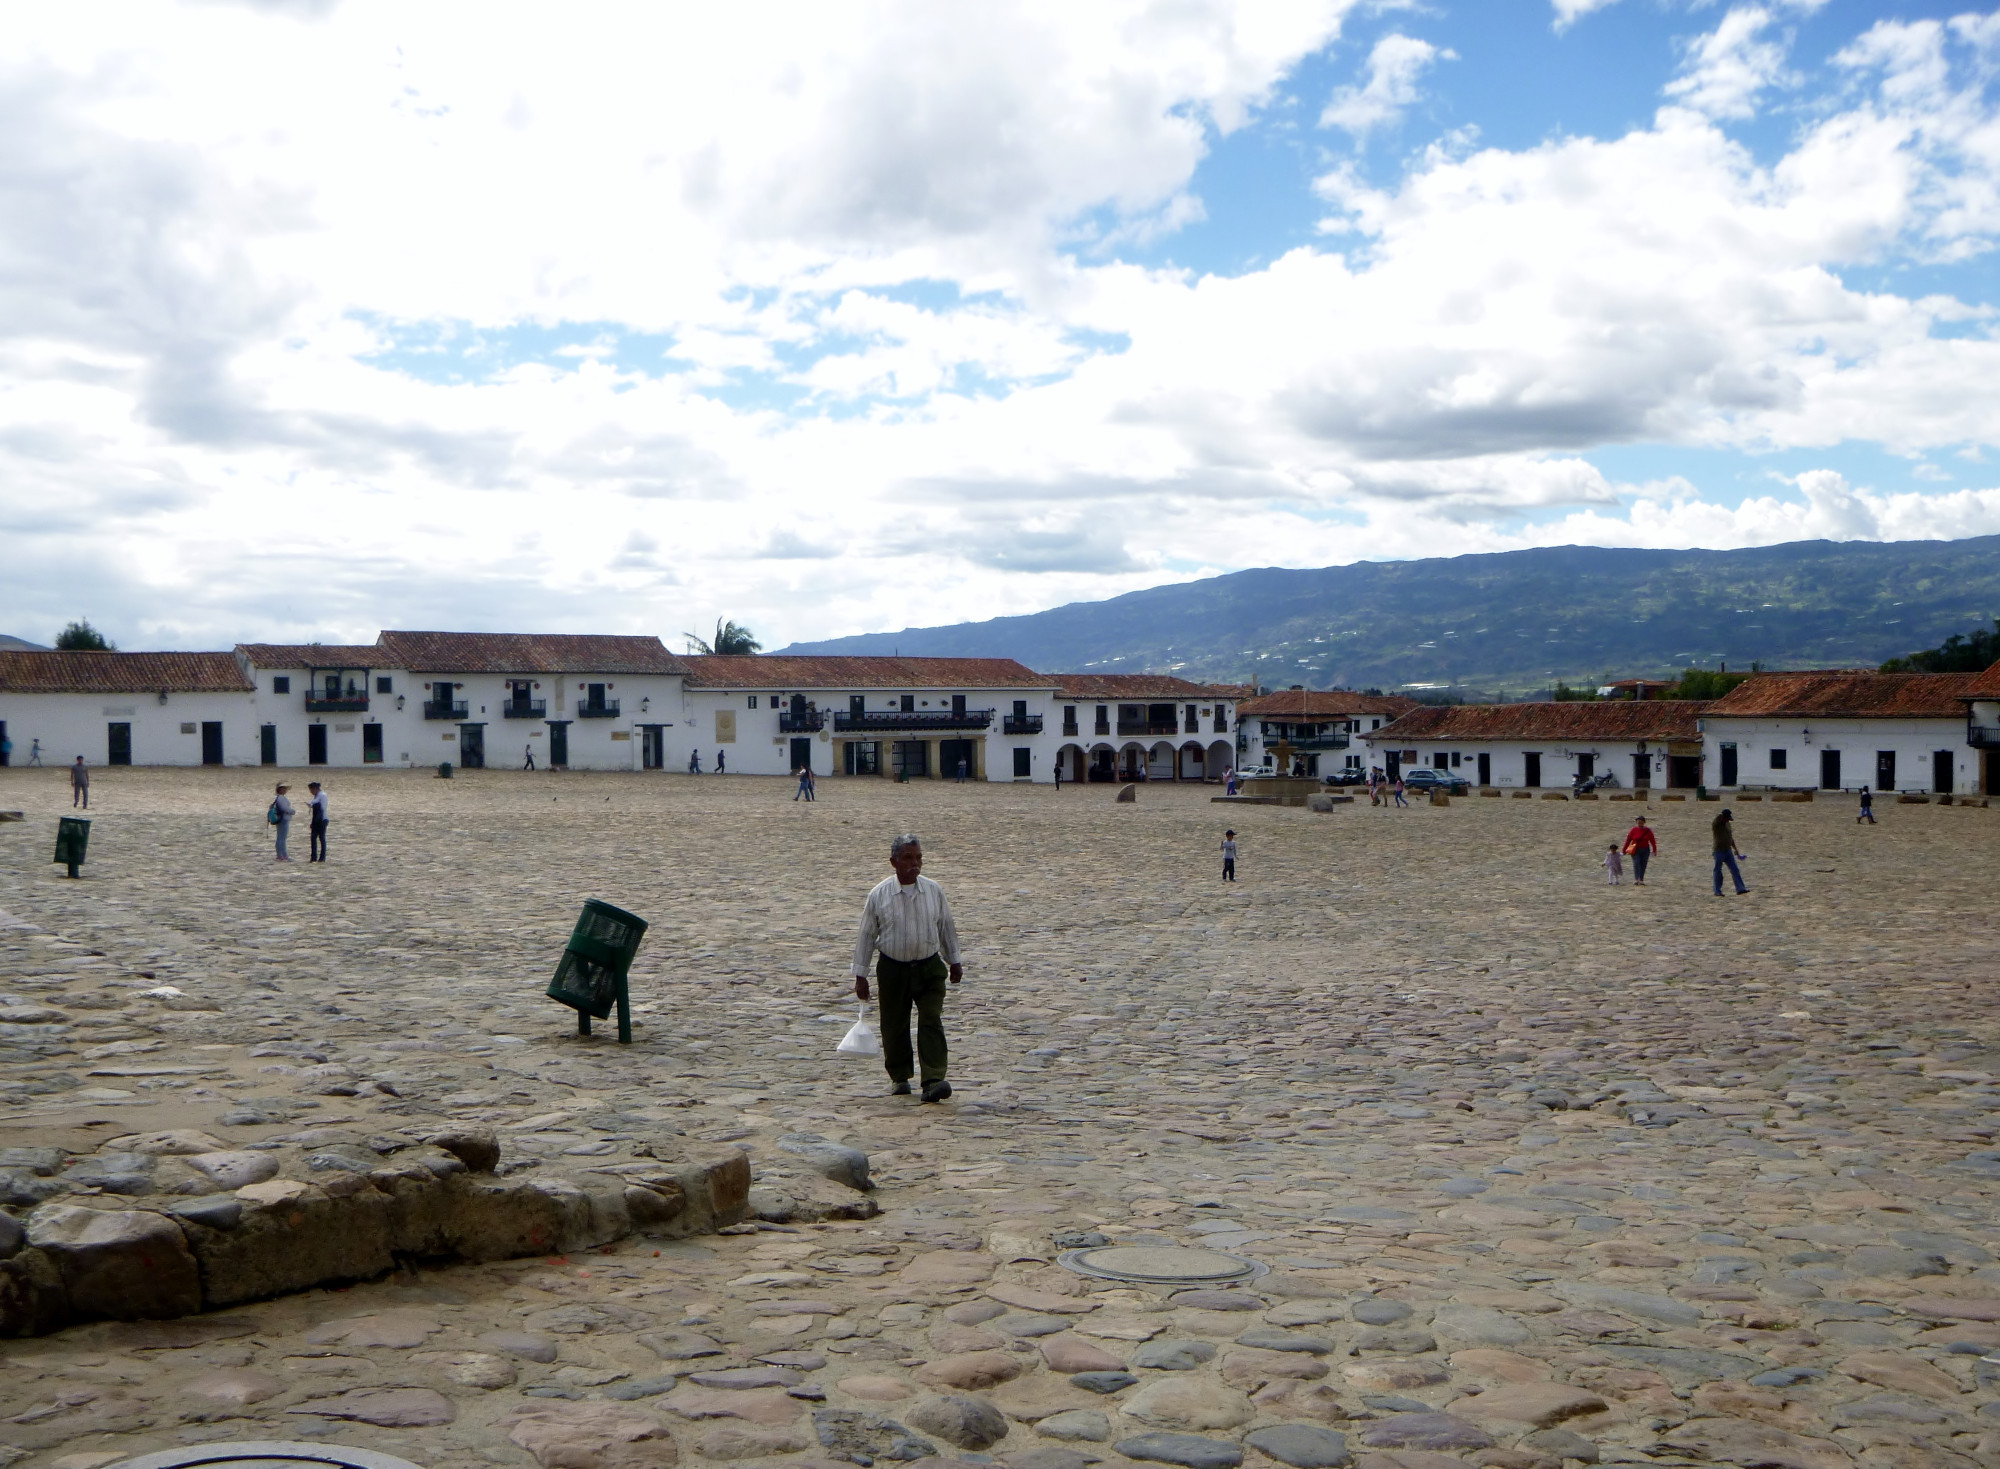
x=1541 y=1169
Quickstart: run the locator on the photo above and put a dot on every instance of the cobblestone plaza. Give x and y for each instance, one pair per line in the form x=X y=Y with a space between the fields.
x=1541 y=1168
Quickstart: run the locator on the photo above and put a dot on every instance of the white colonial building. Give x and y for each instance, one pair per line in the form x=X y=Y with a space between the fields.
x=1144 y=726
x=127 y=708
x=499 y=700
x=1320 y=725
x=1839 y=731
x=1640 y=743
x=908 y=718
x=592 y=702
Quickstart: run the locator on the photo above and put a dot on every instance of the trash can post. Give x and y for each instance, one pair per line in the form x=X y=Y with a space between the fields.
x=592 y=976
x=72 y=842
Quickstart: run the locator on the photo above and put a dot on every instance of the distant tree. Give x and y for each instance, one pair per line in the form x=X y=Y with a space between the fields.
x=1564 y=694
x=730 y=638
x=1705 y=683
x=81 y=637
x=1958 y=654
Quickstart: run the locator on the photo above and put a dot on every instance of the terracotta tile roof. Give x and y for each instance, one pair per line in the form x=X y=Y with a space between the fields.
x=1845 y=695
x=502 y=652
x=1114 y=686
x=1607 y=719
x=1984 y=685
x=121 y=673
x=781 y=673
x=314 y=655
x=1322 y=704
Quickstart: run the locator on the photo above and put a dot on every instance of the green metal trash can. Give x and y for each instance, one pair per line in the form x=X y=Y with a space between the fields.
x=591 y=977
x=444 y=770
x=72 y=841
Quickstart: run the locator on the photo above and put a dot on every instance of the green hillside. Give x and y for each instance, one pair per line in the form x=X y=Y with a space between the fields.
x=1510 y=623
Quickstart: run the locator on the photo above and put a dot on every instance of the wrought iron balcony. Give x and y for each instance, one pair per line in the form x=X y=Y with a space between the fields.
x=607 y=710
x=882 y=721
x=1149 y=726
x=1315 y=743
x=806 y=721
x=443 y=709
x=336 y=703
x=1983 y=736
x=525 y=709
x=1023 y=724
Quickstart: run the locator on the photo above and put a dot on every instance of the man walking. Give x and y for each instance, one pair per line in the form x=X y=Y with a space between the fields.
x=1867 y=807
x=531 y=757
x=907 y=919
x=79 y=785
x=316 y=827
x=34 y=752
x=1726 y=852
x=721 y=759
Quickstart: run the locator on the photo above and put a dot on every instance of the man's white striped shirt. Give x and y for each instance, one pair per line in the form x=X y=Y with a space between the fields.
x=906 y=923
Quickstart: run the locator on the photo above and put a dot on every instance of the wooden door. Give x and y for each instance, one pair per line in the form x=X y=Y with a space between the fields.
x=1829 y=770
x=472 y=746
x=1531 y=768
x=267 y=745
x=118 y=744
x=1885 y=770
x=1941 y=771
x=315 y=744
x=1485 y=768
x=558 y=744
x=211 y=742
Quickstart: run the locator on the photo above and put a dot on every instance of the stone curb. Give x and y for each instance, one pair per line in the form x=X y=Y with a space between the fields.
x=77 y=1264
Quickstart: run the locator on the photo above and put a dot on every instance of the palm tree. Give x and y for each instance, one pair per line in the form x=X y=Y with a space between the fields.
x=730 y=638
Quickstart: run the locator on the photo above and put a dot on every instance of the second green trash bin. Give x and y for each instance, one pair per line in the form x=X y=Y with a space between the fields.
x=591 y=977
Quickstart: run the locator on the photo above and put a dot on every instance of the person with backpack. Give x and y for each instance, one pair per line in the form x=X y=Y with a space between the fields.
x=280 y=816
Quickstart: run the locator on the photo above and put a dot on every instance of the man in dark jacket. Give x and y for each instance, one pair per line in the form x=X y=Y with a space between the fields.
x=1726 y=852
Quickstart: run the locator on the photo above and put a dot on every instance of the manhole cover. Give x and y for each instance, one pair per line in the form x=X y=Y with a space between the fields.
x=1161 y=1265
x=266 y=1454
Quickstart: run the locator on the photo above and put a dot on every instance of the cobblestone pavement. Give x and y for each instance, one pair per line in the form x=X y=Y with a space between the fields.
x=1543 y=1169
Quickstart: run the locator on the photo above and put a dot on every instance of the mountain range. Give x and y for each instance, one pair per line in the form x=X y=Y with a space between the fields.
x=1505 y=624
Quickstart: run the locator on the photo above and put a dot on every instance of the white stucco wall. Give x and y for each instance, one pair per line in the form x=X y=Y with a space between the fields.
x=1858 y=742
x=69 y=725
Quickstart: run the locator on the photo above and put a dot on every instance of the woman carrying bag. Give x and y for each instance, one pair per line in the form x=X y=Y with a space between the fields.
x=280 y=816
x=1641 y=845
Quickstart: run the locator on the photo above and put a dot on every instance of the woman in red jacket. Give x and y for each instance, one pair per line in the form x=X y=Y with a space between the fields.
x=1641 y=846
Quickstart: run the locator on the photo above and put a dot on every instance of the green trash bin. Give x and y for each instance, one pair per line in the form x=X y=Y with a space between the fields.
x=591 y=977
x=72 y=841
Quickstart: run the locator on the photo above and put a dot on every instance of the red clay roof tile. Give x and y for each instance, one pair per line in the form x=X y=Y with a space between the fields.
x=1608 y=719
x=121 y=673
x=1844 y=695
x=499 y=652
x=781 y=673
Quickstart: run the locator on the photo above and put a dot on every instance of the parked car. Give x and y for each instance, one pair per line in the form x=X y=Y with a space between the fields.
x=1423 y=778
x=1352 y=775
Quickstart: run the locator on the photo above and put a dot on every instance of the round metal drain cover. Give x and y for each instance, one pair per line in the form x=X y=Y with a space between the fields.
x=266 y=1454
x=1161 y=1265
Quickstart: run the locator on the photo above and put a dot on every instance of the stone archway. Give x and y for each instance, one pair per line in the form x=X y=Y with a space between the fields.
x=1191 y=762
x=1221 y=757
x=1160 y=761
x=1070 y=762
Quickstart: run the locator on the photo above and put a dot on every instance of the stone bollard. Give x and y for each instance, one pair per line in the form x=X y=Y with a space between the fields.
x=1128 y=794
x=1440 y=798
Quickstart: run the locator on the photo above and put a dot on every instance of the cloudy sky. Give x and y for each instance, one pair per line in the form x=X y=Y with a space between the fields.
x=319 y=316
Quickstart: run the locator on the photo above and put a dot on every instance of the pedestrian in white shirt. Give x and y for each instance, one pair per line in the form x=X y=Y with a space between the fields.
x=316 y=831
x=907 y=921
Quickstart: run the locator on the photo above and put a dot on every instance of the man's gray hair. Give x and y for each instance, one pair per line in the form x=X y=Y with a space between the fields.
x=907 y=839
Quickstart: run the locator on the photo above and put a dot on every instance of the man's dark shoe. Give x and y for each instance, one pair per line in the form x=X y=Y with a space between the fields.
x=900 y=1089
x=937 y=1091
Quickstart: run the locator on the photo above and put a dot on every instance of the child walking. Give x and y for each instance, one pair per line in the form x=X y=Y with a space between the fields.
x=1614 y=864
x=1229 y=856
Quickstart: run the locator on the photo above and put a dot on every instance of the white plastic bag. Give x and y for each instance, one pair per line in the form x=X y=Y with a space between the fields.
x=860 y=1038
